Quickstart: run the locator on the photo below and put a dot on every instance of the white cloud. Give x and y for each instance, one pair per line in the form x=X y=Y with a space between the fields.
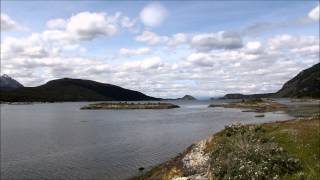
x=254 y=47
x=126 y=22
x=146 y=64
x=218 y=63
x=179 y=38
x=220 y=40
x=31 y=47
x=151 y=38
x=314 y=14
x=87 y=25
x=153 y=14
x=7 y=24
x=201 y=59
x=135 y=51
x=199 y=73
x=56 y=23
x=59 y=37
x=289 y=41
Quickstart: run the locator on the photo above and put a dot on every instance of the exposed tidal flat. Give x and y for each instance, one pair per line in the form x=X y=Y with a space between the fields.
x=60 y=141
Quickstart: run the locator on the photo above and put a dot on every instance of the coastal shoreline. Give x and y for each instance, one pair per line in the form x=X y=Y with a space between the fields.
x=195 y=163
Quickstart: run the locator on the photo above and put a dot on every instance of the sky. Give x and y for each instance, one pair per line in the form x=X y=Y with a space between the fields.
x=162 y=48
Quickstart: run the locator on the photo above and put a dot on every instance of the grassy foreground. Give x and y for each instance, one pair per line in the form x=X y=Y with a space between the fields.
x=301 y=139
x=278 y=150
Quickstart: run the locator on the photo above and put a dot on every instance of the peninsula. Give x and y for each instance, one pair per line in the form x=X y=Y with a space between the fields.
x=126 y=105
x=254 y=105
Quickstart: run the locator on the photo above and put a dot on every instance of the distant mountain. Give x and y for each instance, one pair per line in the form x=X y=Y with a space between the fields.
x=243 y=96
x=8 y=83
x=73 y=90
x=305 y=84
x=187 y=97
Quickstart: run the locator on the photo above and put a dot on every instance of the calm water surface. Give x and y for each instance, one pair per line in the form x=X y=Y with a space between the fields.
x=60 y=141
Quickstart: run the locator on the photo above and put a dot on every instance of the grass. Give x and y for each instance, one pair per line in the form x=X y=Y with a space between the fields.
x=244 y=152
x=301 y=140
x=293 y=147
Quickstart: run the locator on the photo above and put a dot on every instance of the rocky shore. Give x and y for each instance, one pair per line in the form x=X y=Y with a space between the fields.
x=126 y=105
x=200 y=162
x=275 y=150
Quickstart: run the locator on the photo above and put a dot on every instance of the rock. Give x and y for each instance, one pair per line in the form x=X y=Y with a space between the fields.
x=7 y=83
x=197 y=161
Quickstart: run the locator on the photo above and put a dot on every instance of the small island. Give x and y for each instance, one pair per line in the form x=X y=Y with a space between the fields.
x=254 y=105
x=126 y=105
x=187 y=98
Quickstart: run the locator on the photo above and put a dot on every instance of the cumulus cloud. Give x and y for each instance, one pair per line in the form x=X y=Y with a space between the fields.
x=7 y=24
x=220 y=40
x=244 y=70
x=56 y=23
x=218 y=62
x=201 y=59
x=83 y=26
x=153 y=14
x=146 y=64
x=30 y=47
x=176 y=39
x=151 y=38
x=314 y=14
x=126 y=22
x=254 y=47
x=135 y=51
x=289 y=41
x=87 y=25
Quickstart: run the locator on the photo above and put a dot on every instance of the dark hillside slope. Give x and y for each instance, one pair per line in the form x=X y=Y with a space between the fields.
x=305 y=84
x=73 y=90
x=8 y=83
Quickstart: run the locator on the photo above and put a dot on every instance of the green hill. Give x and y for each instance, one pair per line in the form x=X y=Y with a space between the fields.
x=305 y=84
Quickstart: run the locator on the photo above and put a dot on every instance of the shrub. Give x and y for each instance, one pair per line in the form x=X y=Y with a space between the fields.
x=252 y=100
x=244 y=153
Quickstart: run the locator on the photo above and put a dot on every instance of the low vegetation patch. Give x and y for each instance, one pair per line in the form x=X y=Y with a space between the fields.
x=259 y=115
x=245 y=153
x=254 y=105
x=301 y=139
x=286 y=150
x=126 y=105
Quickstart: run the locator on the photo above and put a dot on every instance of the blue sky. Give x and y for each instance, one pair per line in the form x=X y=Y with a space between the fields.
x=267 y=24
